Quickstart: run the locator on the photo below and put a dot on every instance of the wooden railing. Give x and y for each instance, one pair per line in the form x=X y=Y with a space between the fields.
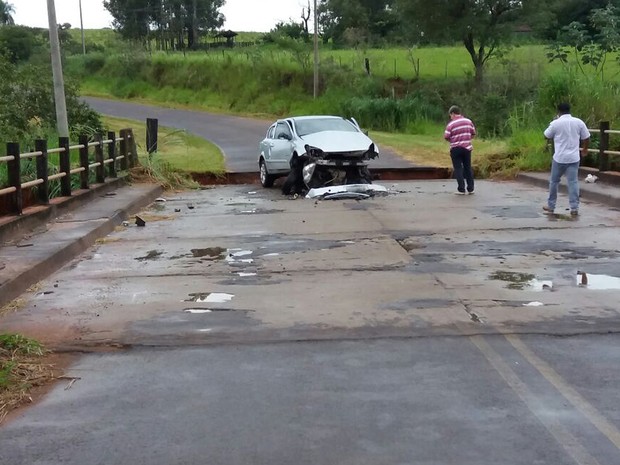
x=118 y=158
x=603 y=150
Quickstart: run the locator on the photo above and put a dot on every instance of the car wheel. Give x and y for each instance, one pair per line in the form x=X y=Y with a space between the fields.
x=266 y=179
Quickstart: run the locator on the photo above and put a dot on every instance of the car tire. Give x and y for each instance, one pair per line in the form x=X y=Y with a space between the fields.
x=266 y=179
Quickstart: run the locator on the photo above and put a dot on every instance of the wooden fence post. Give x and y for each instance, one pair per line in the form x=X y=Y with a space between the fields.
x=112 y=154
x=43 y=189
x=14 y=176
x=65 y=166
x=84 y=162
x=123 y=148
x=133 y=149
x=151 y=135
x=603 y=157
x=99 y=170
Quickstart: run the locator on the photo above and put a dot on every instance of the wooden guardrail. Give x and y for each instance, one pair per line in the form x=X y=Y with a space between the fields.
x=603 y=150
x=121 y=155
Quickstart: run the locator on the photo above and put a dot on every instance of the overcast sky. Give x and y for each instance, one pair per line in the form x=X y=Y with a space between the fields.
x=241 y=15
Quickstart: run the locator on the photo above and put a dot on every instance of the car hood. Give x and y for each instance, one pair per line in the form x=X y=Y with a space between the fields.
x=338 y=141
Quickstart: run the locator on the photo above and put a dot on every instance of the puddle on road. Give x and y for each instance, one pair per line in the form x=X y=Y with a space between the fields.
x=522 y=281
x=150 y=255
x=210 y=253
x=206 y=310
x=209 y=297
x=598 y=282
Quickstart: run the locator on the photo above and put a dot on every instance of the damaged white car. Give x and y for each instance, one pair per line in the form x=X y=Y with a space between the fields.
x=315 y=151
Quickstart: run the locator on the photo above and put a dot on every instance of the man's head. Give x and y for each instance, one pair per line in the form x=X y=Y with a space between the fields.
x=454 y=110
x=564 y=108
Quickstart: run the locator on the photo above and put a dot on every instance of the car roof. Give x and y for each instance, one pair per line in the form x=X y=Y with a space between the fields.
x=301 y=118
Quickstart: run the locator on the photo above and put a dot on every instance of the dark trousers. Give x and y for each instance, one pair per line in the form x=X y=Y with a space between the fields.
x=461 y=161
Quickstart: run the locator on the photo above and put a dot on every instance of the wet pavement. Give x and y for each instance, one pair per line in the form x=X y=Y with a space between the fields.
x=418 y=327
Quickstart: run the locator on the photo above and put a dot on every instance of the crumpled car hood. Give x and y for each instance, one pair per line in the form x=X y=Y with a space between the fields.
x=338 y=141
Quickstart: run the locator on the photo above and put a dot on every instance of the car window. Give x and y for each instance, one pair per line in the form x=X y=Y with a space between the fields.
x=283 y=128
x=271 y=132
x=310 y=126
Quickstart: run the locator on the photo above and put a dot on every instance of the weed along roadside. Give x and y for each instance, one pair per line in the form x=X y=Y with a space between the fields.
x=26 y=367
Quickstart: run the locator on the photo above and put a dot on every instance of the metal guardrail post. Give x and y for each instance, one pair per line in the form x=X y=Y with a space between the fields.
x=65 y=166
x=14 y=176
x=123 y=148
x=84 y=175
x=99 y=170
x=43 y=189
x=112 y=154
x=603 y=156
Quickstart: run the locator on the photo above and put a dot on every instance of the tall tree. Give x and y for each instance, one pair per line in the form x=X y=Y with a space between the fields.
x=174 y=23
x=369 y=18
x=483 y=26
x=6 y=13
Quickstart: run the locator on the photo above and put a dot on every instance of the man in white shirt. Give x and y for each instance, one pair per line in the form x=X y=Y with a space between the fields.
x=571 y=140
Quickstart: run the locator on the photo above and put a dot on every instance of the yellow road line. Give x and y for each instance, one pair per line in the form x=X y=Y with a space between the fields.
x=577 y=400
x=569 y=442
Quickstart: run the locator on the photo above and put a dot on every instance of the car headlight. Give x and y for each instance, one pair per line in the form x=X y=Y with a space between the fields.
x=314 y=151
x=373 y=151
x=308 y=172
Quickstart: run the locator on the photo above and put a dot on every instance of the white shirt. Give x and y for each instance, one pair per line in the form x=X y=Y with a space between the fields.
x=567 y=132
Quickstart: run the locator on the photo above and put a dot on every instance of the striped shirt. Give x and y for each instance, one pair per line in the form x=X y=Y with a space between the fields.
x=459 y=132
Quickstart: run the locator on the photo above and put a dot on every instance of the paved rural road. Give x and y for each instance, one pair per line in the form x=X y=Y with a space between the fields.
x=236 y=136
x=418 y=328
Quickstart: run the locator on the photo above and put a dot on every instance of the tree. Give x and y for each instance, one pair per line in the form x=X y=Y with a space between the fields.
x=483 y=26
x=6 y=14
x=373 y=19
x=591 y=43
x=173 y=23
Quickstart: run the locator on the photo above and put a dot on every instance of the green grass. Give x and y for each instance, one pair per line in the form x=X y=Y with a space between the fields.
x=183 y=151
x=430 y=149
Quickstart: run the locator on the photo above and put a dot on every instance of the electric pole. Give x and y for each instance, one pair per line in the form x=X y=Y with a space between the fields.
x=316 y=52
x=59 y=86
x=82 y=29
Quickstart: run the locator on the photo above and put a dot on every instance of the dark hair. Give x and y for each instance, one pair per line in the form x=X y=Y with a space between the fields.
x=564 y=108
x=454 y=110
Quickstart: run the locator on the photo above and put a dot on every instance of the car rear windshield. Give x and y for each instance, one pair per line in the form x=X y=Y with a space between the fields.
x=310 y=126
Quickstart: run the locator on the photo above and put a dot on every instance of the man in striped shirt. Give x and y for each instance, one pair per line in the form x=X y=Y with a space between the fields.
x=459 y=132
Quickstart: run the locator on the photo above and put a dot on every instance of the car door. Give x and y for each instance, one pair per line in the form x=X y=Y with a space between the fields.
x=265 y=147
x=282 y=146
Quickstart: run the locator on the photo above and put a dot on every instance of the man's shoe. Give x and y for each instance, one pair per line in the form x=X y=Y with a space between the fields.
x=470 y=193
x=574 y=213
x=548 y=209
x=459 y=193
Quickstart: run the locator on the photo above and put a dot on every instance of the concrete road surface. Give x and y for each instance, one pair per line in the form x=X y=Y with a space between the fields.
x=416 y=328
x=237 y=137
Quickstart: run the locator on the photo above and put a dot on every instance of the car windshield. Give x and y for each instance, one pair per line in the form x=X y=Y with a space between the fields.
x=310 y=126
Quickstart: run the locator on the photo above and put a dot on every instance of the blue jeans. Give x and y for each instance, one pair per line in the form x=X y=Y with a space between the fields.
x=557 y=171
x=461 y=162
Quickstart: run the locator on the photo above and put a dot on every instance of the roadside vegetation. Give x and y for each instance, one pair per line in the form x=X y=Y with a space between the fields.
x=23 y=366
x=396 y=70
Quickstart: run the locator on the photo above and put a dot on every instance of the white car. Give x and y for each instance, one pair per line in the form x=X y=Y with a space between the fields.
x=316 y=150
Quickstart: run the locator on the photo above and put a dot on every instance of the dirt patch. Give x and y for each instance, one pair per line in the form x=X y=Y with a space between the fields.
x=27 y=373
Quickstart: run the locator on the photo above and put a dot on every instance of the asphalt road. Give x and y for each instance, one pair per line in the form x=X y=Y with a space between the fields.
x=417 y=328
x=237 y=137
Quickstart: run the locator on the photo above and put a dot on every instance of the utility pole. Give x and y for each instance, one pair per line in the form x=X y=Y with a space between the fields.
x=82 y=28
x=59 y=85
x=316 y=52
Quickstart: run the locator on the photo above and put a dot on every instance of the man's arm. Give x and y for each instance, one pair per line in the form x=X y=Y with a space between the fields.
x=585 y=143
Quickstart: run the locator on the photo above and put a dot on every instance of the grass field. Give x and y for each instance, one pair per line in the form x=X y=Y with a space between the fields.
x=184 y=152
